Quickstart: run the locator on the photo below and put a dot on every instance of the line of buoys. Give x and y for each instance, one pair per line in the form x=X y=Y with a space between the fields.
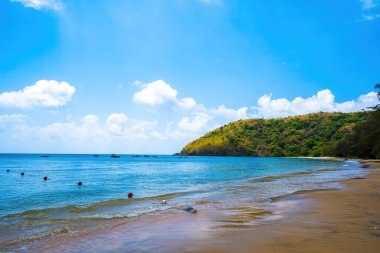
x=80 y=183
x=130 y=195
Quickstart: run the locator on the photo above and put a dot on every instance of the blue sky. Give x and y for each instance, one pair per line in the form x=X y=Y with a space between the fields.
x=148 y=76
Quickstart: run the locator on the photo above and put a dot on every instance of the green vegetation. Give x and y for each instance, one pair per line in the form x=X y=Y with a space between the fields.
x=319 y=134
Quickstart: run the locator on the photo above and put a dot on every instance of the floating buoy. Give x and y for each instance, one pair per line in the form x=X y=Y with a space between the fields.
x=45 y=178
x=130 y=195
x=8 y=170
x=22 y=173
x=80 y=183
x=164 y=201
x=190 y=209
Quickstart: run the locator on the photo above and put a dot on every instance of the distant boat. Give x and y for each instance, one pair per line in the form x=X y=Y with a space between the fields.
x=44 y=156
x=136 y=155
x=115 y=156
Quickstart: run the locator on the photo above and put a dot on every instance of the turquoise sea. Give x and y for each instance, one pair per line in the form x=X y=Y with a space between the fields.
x=31 y=207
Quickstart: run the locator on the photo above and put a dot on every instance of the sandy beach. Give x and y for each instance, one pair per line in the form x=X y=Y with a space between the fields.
x=333 y=221
x=345 y=220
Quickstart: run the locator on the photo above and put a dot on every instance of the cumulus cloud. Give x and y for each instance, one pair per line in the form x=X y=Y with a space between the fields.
x=116 y=123
x=187 y=103
x=155 y=93
x=83 y=135
x=159 y=92
x=44 y=93
x=197 y=124
x=323 y=101
x=241 y=113
x=42 y=4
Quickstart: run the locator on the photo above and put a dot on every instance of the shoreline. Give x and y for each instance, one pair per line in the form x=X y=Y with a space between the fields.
x=275 y=227
x=345 y=220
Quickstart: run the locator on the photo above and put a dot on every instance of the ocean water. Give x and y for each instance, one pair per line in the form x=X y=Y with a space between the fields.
x=31 y=207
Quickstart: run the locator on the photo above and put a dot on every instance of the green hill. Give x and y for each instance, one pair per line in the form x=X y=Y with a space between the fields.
x=318 y=134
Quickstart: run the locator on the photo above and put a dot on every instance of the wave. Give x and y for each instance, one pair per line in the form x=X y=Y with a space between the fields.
x=35 y=237
x=301 y=192
x=289 y=175
x=45 y=213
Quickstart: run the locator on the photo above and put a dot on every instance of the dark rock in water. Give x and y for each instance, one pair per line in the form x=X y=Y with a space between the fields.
x=190 y=209
x=80 y=183
x=365 y=166
x=22 y=173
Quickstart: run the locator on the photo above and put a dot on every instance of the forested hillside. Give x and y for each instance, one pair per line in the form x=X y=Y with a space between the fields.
x=319 y=134
x=307 y=135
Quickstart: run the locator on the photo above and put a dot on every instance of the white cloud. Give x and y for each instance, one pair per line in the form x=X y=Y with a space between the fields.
x=117 y=118
x=116 y=122
x=323 y=101
x=44 y=93
x=232 y=114
x=159 y=92
x=90 y=120
x=89 y=127
x=362 y=103
x=155 y=93
x=42 y=4
x=11 y=118
x=187 y=103
x=88 y=134
x=196 y=125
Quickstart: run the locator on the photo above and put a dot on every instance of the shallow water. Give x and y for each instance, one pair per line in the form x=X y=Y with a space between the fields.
x=32 y=208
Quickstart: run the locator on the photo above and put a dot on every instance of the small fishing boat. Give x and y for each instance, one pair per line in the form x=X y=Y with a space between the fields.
x=115 y=156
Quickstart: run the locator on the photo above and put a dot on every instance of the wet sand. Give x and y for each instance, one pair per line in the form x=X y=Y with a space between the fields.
x=323 y=221
x=332 y=221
